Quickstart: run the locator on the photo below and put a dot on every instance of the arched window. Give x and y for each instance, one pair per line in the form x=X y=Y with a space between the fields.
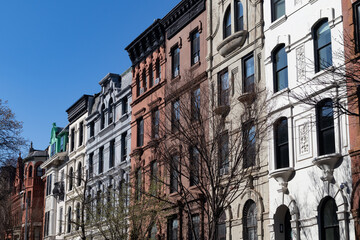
x=325 y=127
x=30 y=171
x=282 y=223
x=329 y=223
x=110 y=112
x=71 y=176
x=221 y=228
x=280 y=68
x=239 y=24
x=322 y=45
x=79 y=174
x=69 y=220
x=281 y=143
x=102 y=120
x=77 y=216
x=227 y=23
x=249 y=221
x=39 y=171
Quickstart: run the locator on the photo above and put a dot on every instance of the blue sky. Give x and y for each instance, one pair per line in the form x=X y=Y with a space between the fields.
x=54 y=51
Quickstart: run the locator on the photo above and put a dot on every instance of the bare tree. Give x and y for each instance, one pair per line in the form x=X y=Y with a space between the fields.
x=11 y=141
x=337 y=76
x=207 y=149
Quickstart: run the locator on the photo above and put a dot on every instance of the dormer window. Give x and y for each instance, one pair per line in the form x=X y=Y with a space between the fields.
x=110 y=111
x=227 y=23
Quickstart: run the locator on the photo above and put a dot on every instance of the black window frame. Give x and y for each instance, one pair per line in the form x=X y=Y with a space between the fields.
x=223 y=94
x=248 y=81
x=249 y=205
x=224 y=153
x=194 y=226
x=140 y=132
x=71 y=178
x=322 y=216
x=124 y=105
x=195 y=47
x=101 y=160
x=249 y=144
x=81 y=134
x=72 y=138
x=324 y=139
x=195 y=103
x=92 y=128
x=79 y=174
x=110 y=111
x=174 y=174
x=102 y=117
x=112 y=153
x=227 y=19
x=91 y=164
x=273 y=9
x=155 y=122
x=175 y=61
x=175 y=115
x=171 y=230
x=281 y=146
x=69 y=220
x=239 y=16
x=356 y=21
x=276 y=54
x=123 y=146
x=317 y=49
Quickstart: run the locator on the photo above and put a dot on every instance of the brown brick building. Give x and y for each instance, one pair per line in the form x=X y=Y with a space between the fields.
x=169 y=70
x=351 y=14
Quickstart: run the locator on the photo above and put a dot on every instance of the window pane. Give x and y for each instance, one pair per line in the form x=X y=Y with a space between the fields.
x=239 y=17
x=249 y=75
x=323 y=35
x=279 y=9
x=325 y=57
x=281 y=79
x=227 y=23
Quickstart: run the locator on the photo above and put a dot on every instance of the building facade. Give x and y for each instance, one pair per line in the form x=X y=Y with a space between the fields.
x=107 y=162
x=237 y=83
x=55 y=179
x=310 y=178
x=351 y=18
x=27 y=200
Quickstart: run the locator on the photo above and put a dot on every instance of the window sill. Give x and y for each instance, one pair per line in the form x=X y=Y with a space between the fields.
x=278 y=22
x=281 y=92
x=175 y=79
x=323 y=72
x=124 y=117
x=195 y=66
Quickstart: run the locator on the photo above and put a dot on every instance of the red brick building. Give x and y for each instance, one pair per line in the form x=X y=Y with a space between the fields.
x=351 y=15
x=27 y=200
x=169 y=69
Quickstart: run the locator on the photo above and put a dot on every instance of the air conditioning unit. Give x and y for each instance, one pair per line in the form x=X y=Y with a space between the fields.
x=157 y=80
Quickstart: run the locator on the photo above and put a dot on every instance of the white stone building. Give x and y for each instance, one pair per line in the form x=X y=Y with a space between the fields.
x=108 y=136
x=75 y=177
x=310 y=178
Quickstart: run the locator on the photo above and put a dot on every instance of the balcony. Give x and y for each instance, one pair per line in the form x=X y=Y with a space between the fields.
x=283 y=176
x=327 y=163
x=54 y=160
x=232 y=43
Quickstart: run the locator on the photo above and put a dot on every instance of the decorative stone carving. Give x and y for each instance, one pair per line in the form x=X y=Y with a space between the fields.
x=304 y=138
x=327 y=163
x=231 y=43
x=301 y=63
x=283 y=176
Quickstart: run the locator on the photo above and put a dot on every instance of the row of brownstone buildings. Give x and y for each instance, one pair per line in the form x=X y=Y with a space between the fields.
x=243 y=115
